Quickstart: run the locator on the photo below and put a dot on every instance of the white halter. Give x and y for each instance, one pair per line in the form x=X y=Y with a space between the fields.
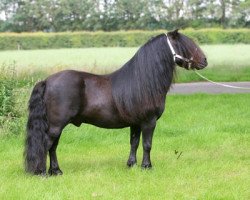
x=175 y=55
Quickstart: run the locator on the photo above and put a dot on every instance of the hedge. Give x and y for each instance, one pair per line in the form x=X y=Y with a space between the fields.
x=11 y=41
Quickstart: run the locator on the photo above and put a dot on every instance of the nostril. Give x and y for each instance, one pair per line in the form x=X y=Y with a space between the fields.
x=205 y=60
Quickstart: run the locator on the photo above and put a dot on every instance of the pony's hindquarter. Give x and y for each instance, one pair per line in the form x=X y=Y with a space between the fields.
x=37 y=127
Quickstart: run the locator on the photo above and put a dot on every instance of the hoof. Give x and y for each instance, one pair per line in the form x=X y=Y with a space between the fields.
x=131 y=163
x=40 y=173
x=146 y=166
x=55 y=172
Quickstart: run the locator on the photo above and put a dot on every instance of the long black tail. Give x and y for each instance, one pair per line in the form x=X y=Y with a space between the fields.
x=37 y=127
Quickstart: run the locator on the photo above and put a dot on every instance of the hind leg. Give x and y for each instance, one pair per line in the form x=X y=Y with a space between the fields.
x=53 y=140
x=54 y=166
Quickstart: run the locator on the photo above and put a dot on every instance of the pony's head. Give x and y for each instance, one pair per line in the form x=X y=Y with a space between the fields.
x=185 y=52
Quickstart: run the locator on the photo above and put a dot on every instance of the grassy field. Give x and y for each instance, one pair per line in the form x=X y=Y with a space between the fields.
x=211 y=131
x=226 y=62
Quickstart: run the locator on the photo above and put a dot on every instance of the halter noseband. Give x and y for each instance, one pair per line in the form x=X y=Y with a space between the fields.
x=175 y=55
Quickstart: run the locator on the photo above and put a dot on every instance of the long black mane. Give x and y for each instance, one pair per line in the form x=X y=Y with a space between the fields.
x=145 y=79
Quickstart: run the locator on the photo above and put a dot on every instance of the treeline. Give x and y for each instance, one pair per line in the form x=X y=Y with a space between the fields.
x=112 y=15
x=113 y=39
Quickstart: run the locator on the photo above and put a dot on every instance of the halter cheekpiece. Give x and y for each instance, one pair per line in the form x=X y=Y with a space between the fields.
x=175 y=55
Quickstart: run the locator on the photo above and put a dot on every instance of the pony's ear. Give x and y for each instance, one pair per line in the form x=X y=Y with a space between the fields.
x=174 y=33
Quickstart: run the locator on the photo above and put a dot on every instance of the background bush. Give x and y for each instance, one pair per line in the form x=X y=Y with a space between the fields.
x=7 y=86
x=11 y=101
x=11 y=41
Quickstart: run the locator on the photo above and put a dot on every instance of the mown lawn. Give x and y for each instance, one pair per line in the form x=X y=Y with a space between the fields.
x=226 y=62
x=211 y=131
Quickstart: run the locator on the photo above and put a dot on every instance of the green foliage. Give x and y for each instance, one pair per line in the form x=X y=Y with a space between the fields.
x=7 y=86
x=220 y=36
x=11 y=104
x=110 y=15
x=7 y=100
x=11 y=41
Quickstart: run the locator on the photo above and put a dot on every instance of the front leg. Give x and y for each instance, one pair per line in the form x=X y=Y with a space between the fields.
x=135 y=132
x=147 y=136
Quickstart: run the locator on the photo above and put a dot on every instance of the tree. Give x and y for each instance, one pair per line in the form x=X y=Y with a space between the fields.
x=109 y=15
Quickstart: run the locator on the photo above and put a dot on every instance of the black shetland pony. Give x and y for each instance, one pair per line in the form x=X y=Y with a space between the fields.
x=133 y=96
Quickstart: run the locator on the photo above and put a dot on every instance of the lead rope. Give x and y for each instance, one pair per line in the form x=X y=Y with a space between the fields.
x=221 y=84
x=175 y=55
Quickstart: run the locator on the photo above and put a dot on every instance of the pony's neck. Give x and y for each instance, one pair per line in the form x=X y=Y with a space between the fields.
x=144 y=79
x=154 y=62
x=151 y=68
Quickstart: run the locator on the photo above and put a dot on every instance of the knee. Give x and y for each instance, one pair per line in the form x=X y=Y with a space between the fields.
x=49 y=143
x=52 y=136
x=147 y=146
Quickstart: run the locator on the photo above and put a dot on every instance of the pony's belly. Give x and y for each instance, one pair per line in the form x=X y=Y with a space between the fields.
x=106 y=124
x=103 y=116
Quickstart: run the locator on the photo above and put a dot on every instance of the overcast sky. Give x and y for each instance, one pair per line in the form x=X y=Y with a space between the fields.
x=2 y=16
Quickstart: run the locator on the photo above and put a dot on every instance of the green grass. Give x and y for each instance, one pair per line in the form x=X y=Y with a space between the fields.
x=226 y=62
x=211 y=131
